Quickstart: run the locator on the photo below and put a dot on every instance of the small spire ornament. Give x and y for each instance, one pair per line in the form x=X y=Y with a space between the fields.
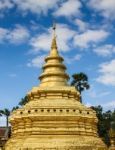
x=54 y=44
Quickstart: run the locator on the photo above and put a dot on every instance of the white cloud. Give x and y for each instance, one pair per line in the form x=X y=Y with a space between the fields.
x=5 y=4
x=3 y=34
x=82 y=25
x=77 y=57
x=90 y=37
x=107 y=71
x=98 y=94
x=68 y=38
x=43 y=41
x=70 y=60
x=109 y=105
x=88 y=104
x=69 y=8
x=94 y=92
x=37 y=61
x=105 y=50
x=16 y=36
x=105 y=7
x=36 y=6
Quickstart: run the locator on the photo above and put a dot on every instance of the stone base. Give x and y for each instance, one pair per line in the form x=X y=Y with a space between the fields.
x=55 y=142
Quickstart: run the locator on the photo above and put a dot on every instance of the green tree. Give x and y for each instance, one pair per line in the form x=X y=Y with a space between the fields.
x=23 y=101
x=113 y=120
x=6 y=113
x=15 y=108
x=80 y=81
x=104 y=123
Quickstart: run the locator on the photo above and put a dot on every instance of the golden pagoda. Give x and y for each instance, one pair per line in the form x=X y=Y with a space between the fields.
x=54 y=118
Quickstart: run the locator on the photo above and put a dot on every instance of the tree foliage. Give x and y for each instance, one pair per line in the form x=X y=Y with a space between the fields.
x=23 y=101
x=80 y=81
x=104 y=123
x=6 y=113
x=15 y=108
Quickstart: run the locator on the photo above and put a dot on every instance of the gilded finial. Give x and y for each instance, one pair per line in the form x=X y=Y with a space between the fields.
x=54 y=44
x=54 y=28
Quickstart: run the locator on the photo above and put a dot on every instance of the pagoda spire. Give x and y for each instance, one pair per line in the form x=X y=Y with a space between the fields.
x=54 y=50
x=54 y=70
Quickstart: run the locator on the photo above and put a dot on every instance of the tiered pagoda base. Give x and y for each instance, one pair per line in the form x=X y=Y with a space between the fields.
x=54 y=120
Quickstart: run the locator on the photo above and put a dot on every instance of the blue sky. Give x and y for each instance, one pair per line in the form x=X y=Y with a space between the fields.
x=85 y=37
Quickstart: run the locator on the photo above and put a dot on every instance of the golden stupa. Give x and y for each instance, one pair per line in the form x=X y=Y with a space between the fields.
x=54 y=118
